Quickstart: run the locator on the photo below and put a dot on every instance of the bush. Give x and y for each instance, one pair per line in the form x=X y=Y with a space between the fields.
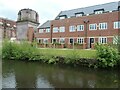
x=22 y=51
x=107 y=56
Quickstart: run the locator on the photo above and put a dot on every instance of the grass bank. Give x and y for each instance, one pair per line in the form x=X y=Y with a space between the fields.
x=80 y=53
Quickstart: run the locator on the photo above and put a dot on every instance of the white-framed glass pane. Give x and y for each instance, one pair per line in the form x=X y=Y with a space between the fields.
x=62 y=29
x=41 y=30
x=55 y=29
x=117 y=25
x=62 y=17
x=45 y=41
x=102 y=26
x=99 y=12
x=93 y=27
x=80 y=27
x=47 y=29
x=72 y=28
x=103 y=40
x=62 y=40
x=79 y=15
x=80 y=40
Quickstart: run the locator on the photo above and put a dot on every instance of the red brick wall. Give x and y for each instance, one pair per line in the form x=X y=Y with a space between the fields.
x=99 y=18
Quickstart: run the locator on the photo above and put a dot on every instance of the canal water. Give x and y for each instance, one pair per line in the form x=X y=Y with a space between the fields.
x=19 y=74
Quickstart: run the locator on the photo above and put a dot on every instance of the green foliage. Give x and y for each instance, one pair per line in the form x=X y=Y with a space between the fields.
x=107 y=56
x=22 y=51
x=72 y=57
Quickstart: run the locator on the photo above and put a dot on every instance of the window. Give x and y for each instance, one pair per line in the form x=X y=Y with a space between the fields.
x=54 y=40
x=72 y=28
x=62 y=40
x=62 y=17
x=55 y=29
x=80 y=40
x=99 y=12
x=62 y=29
x=45 y=41
x=80 y=27
x=40 y=30
x=79 y=15
x=8 y=24
x=102 y=26
x=40 y=41
x=71 y=40
x=93 y=27
x=116 y=39
x=117 y=25
x=103 y=40
x=47 y=29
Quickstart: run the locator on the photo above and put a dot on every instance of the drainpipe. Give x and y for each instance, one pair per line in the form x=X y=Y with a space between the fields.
x=86 y=40
x=51 y=33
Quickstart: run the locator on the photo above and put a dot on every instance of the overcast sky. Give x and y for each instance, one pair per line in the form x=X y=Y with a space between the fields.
x=47 y=9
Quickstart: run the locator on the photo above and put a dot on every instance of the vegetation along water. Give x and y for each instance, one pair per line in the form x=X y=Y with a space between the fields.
x=104 y=56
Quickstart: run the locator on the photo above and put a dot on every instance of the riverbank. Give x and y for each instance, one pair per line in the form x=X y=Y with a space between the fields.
x=88 y=58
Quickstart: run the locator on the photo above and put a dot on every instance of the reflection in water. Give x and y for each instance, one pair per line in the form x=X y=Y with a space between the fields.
x=9 y=80
x=35 y=75
x=43 y=83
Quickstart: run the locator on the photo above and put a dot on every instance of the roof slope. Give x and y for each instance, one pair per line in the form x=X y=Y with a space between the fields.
x=46 y=24
x=88 y=10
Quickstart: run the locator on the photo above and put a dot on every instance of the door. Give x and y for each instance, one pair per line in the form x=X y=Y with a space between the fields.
x=91 y=41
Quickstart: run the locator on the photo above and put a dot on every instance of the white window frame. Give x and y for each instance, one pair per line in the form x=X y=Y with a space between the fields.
x=79 y=15
x=72 y=28
x=41 y=30
x=93 y=26
x=101 y=41
x=80 y=27
x=44 y=40
x=62 y=29
x=55 y=29
x=116 y=25
x=99 y=12
x=62 y=17
x=103 y=26
x=47 y=30
x=62 y=40
x=80 y=40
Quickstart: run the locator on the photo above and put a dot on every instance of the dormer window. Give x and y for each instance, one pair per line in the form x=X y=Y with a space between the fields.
x=118 y=8
x=62 y=17
x=99 y=11
x=79 y=14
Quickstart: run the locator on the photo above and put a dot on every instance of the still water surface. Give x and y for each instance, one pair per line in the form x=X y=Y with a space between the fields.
x=19 y=74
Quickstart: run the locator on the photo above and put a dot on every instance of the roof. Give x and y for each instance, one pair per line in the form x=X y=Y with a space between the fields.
x=88 y=10
x=46 y=24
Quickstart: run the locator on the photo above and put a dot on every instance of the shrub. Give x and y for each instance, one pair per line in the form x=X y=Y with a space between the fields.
x=22 y=51
x=107 y=56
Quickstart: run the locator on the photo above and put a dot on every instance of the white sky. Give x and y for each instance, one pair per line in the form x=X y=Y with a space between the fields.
x=47 y=9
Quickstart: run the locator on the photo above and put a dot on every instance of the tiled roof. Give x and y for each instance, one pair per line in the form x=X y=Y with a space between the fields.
x=88 y=10
x=46 y=24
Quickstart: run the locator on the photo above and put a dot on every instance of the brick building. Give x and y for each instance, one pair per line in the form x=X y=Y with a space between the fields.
x=83 y=27
x=7 y=28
